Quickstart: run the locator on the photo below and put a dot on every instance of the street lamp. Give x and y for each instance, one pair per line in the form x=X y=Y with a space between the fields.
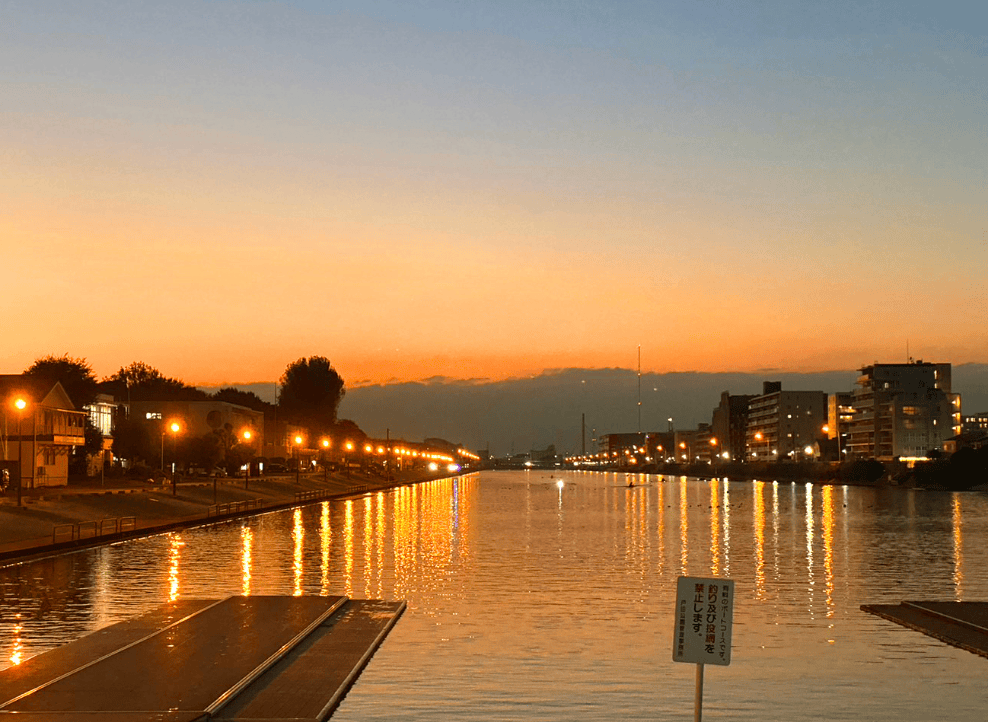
x=20 y=404
x=247 y=437
x=325 y=462
x=298 y=462
x=173 y=427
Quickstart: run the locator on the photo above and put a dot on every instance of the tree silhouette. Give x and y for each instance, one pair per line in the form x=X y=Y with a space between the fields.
x=141 y=382
x=75 y=375
x=232 y=395
x=311 y=391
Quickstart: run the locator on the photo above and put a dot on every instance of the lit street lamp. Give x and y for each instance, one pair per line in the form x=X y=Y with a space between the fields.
x=20 y=404
x=298 y=461
x=325 y=461
x=173 y=427
x=247 y=437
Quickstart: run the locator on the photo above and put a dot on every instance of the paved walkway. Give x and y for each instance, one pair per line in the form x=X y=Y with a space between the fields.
x=32 y=527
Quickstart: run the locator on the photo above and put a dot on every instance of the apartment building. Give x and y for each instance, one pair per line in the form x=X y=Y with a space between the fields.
x=784 y=424
x=903 y=411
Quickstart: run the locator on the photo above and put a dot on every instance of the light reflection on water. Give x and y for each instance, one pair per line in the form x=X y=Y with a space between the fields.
x=531 y=600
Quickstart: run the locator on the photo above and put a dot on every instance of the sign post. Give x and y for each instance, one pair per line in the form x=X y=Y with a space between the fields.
x=704 y=618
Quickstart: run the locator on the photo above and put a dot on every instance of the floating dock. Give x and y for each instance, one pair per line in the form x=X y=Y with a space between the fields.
x=264 y=658
x=961 y=624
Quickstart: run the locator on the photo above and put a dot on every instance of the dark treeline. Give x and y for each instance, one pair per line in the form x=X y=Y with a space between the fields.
x=310 y=394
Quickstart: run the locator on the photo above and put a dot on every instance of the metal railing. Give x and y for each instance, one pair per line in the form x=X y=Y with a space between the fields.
x=323 y=494
x=92 y=529
x=234 y=507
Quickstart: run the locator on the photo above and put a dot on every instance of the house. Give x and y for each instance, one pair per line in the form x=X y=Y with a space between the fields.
x=39 y=427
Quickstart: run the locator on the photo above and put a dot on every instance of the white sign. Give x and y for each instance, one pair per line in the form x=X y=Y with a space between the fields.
x=704 y=616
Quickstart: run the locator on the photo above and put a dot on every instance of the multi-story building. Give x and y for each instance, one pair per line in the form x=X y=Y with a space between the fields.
x=903 y=411
x=40 y=427
x=729 y=425
x=974 y=422
x=103 y=413
x=840 y=411
x=784 y=424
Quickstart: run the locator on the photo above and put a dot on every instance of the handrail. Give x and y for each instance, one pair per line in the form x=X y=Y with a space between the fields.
x=92 y=529
x=234 y=507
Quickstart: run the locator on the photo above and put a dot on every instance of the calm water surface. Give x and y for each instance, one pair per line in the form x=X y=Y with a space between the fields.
x=530 y=600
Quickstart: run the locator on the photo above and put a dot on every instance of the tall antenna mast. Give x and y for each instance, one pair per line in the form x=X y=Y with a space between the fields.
x=639 y=388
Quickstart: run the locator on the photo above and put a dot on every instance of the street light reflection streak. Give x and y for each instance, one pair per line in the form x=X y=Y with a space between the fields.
x=715 y=527
x=380 y=535
x=298 y=536
x=958 y=520
x=325 y=546
x=660 y=491
x=827 y=523
x=368 y=544
x=17 y=653
x=246 y=544
x=811 y=582
x=174 y=557
x=727 y=528
x=684 y=528
x=402 y=540
x=348 y=548
x=775 y=528
x=758 y=487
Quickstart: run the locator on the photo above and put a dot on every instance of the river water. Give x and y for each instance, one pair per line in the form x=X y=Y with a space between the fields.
x=531 y=599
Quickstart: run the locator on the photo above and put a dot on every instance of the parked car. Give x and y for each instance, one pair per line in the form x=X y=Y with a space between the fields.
x=275 y=469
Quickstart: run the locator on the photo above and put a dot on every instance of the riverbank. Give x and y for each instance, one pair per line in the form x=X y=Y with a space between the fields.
x=55 y=519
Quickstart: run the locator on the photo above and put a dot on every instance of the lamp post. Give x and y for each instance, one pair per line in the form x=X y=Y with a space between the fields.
x=325 y=462
x=346 y=458
x=173 y=427
x=247 y=437
x=20 y=404
x=298 y=461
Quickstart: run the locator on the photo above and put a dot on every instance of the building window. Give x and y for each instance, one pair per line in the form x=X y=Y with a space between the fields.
x=153 y=415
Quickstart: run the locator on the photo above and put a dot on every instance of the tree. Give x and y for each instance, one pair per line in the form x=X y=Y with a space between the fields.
x=232 y=395
x=79 y=460
x=75 y=375
x=345 y=429
x=311 y=391
x=132 y=441
x=141 y=382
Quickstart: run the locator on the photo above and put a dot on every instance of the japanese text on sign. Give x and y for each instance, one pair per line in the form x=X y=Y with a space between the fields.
x=704 y=616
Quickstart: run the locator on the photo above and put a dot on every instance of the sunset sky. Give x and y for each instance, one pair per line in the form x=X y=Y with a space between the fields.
x=489 y=189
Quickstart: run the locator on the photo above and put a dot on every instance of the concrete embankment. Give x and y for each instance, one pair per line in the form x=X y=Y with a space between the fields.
x=55 y=519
